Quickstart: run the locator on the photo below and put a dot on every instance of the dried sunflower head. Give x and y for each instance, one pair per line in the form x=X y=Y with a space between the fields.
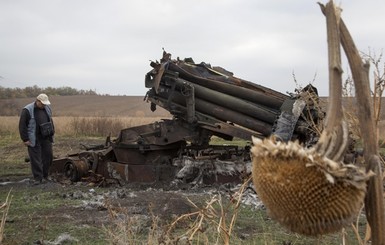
x=304 y=191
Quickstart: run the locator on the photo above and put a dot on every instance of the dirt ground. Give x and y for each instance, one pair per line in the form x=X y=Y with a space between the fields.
x=83 y=204
x=61 y=212
x=86 y=204
x=165 y=201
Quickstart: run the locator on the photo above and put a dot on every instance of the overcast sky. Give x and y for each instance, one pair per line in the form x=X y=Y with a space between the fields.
x=107 y=45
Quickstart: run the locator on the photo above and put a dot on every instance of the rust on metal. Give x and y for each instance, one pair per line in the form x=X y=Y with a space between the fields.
x=205 y=101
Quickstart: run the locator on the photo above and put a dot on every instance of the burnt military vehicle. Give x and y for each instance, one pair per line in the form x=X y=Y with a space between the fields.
x=204 y=101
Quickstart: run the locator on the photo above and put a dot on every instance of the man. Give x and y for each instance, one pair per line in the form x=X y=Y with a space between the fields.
x=36 y=130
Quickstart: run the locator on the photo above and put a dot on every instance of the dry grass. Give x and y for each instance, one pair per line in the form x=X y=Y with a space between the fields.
x=88 y=106
x=4 y=208
x=212 y=223
x=82 y=126
x=9 y=124
x=99 y=126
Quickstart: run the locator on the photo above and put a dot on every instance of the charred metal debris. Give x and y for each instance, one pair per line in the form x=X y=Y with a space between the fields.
x=205 y=101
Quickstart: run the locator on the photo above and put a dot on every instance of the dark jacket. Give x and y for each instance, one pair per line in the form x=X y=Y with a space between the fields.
x=30 y=119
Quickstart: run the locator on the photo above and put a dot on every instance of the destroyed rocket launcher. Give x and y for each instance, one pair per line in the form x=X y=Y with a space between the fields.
x=205 y=101
x=212 y=99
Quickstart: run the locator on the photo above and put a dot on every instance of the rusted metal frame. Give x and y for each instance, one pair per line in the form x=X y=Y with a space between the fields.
x=140 y=173
x=172 y=92
x=95 y=162
x=138 y=134
x=235 y=131
x=160 y=134
x=175 y=109
x=190 y=101
x=159 y=75
x=374 y=202
x=212 y=124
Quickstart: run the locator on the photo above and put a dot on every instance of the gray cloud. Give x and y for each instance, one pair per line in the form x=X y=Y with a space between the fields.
x=106 y=45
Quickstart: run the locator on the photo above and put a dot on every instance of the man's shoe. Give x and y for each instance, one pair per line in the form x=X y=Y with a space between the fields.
x=36 y=182
x=44 y=181
x=47 y=179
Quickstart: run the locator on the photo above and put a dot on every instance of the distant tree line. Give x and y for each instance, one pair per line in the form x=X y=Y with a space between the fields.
x=27 y=92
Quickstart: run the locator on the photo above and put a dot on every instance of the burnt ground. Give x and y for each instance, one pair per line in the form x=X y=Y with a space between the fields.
x=62 y=212
x=113 y=208
x=82 y=209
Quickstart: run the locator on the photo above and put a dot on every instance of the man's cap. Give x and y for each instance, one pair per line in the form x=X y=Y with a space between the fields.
x=43 y=98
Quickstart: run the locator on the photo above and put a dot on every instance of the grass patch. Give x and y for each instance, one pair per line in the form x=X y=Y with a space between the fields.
x=236 y=142
x=44 y=213
x=12 y=155
x=38 y=214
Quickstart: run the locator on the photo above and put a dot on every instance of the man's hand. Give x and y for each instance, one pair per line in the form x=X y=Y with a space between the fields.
x=27 y=143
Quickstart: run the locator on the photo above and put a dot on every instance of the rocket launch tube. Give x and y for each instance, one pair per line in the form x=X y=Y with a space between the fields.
x=232 y=103
x=219 y=112
x=230 y=85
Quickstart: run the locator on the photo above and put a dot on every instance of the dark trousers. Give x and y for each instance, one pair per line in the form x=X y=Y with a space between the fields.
x=41 y=158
